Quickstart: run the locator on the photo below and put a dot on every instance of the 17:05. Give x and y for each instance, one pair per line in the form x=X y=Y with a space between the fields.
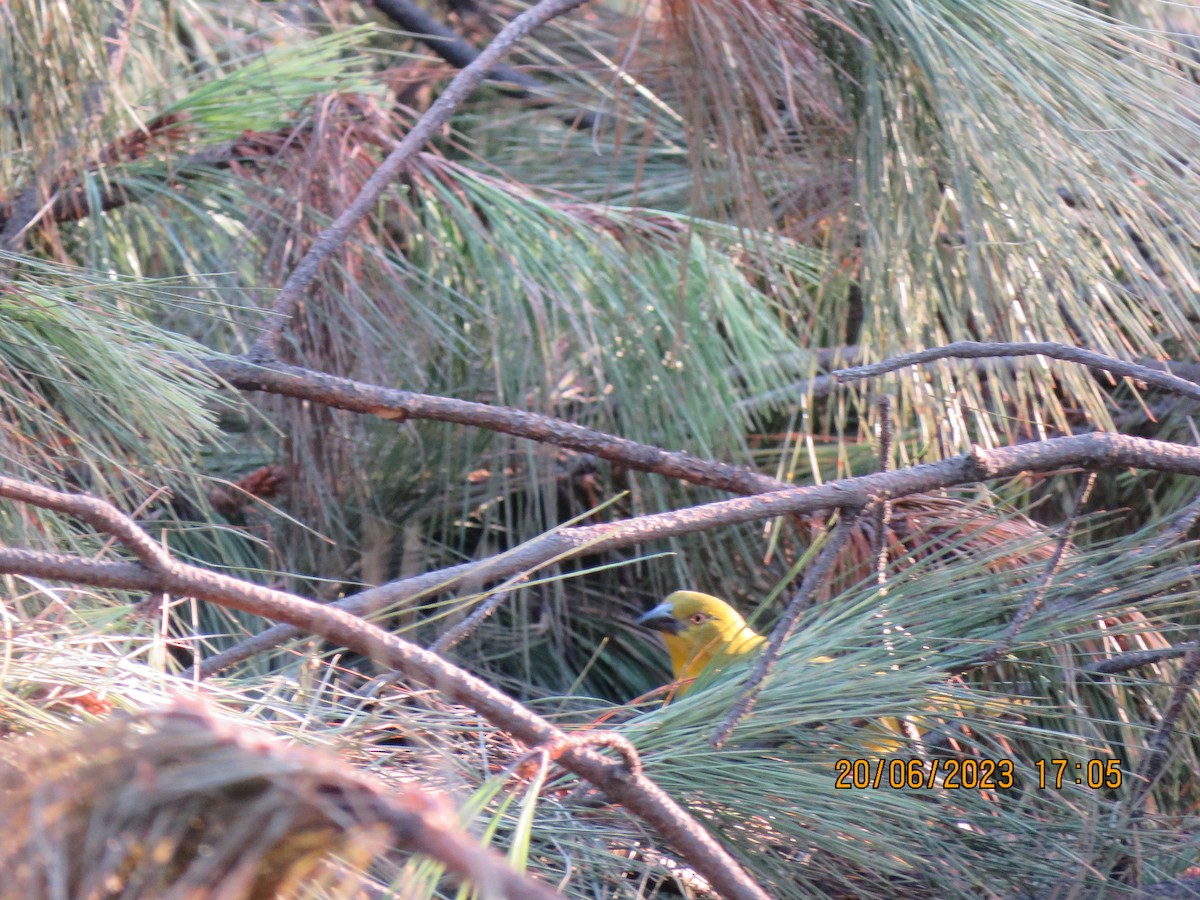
x=1095 y=773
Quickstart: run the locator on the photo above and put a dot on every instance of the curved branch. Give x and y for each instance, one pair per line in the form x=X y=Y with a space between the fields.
x=460 y=53
x=1093 y=451
x=1064 y=352
x=823 y=385
x=388 y=403
x=630 y=788
x=457 y=91
x=100 y=515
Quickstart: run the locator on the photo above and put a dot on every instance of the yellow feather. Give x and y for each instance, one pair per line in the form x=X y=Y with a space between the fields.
x=701 y=630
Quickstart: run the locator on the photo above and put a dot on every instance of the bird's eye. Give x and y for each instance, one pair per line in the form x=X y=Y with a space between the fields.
x=698 y=618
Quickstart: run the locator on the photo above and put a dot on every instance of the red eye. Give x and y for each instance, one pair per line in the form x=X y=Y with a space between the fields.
x=698 y=618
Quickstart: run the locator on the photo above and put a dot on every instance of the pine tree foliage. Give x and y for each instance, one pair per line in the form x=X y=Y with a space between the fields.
x=766 y=189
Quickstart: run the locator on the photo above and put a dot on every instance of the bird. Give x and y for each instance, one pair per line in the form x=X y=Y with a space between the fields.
x=700 y=630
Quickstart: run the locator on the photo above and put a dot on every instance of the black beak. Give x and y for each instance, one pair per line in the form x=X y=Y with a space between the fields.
x=661 y=619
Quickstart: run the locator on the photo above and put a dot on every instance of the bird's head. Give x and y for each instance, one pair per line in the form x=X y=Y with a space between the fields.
x=697 y=628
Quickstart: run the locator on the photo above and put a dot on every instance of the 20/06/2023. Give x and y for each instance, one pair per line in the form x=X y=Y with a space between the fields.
x=971 y=774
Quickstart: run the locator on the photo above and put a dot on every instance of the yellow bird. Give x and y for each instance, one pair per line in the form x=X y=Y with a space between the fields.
x=700 y=630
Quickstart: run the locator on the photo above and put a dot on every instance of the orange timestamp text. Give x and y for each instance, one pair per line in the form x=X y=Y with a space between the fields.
x=972 y=774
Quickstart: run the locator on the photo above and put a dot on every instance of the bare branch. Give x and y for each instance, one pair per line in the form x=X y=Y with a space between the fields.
x=102 y=516
x=1159 y=746
x=816 y=576
x=267 y=345
x=622 y=781
x=1038 y=593
x=1064 y=352
x=388 y=403
x=1091 y=451
x=823 y=385
x=454 y=49
x=1135 y=659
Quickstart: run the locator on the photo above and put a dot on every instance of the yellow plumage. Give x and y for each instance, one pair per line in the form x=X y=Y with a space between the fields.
x=700 y=630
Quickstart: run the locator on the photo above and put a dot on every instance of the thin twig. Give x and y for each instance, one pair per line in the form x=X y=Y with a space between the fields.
x=883 y=512
x=453 y=636
x=1135 y=659
x=1157 y=750
x=266 y=346
x=460 y=53
x=622 y=781
x=814 y=579
x=823 y=385
x=1098 y=451
x=1038 y=594
x=1174 y=532
x=102 y=516
x=1064 y=352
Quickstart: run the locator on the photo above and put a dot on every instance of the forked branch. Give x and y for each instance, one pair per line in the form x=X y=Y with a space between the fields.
x=622 y=780
x=1090 y=451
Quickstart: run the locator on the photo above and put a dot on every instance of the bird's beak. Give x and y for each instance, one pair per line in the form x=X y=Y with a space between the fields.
x=661 y=619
